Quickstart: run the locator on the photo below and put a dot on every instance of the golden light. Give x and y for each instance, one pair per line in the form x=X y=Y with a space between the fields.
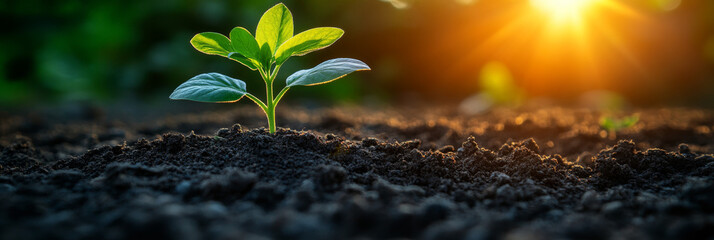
x=547 y=43
x=562 y=10
x=551 y=47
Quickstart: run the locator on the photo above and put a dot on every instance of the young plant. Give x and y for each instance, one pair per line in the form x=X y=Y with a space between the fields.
x=272 y=45
x=613 y=125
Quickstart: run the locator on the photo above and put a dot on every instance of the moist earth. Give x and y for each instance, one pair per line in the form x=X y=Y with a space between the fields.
x=356 y=173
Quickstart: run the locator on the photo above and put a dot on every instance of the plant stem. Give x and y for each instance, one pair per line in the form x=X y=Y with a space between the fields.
x=257 y=101
x=280 y=95
x=271 y=119
x=270 y=75
x=268 y=107
x=270 y=113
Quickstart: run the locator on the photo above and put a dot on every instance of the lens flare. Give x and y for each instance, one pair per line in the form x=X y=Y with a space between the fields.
x=584 y=44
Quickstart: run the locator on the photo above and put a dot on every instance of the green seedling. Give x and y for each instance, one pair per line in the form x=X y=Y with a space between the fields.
x=272 y=45
x=613 y=125
x=499 y=85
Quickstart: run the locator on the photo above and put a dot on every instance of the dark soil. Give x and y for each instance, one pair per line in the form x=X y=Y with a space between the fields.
x=545 y=173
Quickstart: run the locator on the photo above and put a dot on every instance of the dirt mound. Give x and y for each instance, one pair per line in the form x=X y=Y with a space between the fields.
x=249 y=184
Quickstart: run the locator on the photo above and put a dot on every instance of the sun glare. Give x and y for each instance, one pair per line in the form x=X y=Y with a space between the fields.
x=562 y=10
x=552 y=41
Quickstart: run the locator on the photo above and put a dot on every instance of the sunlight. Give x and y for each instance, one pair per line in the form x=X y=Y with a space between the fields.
x=563 y=10
x=583 y=45
x=572 y=41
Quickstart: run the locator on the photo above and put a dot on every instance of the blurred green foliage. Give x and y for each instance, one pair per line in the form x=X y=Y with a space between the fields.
x=499 y=86
x=614 y=124
x=107 y=50
x=133 y=50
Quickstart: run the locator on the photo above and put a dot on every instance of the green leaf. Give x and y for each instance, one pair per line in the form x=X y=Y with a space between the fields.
x=216 y=44
x=275 y=27
x=266 y=56
x=210 y=87
x=325 y=72
x=212 y=43
x=630 y=121
x=244 y=43
x=613 y=124
x=307 y=42
x=252 y=64
x=608 y=123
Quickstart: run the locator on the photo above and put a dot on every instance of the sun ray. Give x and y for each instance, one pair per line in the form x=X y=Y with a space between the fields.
x=616 y=41
x=583 y=45
x=619 y=8
x=565 y=36
x=562 y=11
x=506 y=33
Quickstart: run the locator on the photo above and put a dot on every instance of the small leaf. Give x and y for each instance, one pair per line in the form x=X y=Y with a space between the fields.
x=266 y=55
x=244 y=43
x=327 y=71
x=210 y=87
x=252 y=64
x=608 y=123
x=275 y=27
x=630 y=121
x=212 y=43
x=216 y=44
x=307 y=42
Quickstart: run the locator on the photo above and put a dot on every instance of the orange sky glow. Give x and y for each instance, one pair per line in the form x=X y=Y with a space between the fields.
x=562 y=47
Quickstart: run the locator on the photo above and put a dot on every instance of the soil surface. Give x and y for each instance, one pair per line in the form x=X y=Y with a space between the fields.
x=355 y=173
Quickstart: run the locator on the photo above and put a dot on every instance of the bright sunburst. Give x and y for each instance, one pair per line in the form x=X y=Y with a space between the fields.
x=563 y=10
x=551 y=40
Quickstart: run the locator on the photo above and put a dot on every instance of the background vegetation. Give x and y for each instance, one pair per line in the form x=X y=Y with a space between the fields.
x=431 y=50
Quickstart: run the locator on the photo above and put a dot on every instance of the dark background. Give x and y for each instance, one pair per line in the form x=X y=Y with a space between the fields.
x=431 y=51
